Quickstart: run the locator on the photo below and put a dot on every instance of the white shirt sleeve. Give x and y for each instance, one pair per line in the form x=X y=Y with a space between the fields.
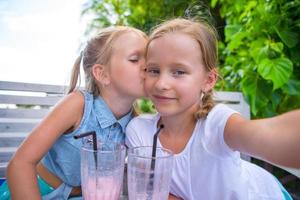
x=214 y=127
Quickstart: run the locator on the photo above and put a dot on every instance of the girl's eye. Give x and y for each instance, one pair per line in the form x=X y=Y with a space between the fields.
x=134 y=60
x=152 y=71
x=179 y=72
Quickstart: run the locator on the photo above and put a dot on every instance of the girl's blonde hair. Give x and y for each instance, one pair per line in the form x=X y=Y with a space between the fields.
x=206 y=36
x=97 y=51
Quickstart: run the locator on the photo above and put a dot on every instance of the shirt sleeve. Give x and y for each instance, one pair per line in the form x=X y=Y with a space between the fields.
x=214 y=127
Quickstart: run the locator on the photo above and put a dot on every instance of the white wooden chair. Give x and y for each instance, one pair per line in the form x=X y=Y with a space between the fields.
x=23 y=105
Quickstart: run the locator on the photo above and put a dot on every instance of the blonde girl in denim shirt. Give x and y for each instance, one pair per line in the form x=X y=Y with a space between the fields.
x=112 y=62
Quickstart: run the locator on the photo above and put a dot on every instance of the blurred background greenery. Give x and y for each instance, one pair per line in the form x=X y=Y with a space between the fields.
x=259 y=47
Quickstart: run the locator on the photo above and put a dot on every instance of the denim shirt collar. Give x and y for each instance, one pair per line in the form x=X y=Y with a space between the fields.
x=105 y=116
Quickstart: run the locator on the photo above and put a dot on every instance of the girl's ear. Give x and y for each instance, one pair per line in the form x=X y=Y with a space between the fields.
x=101 y=74
x=211 y=80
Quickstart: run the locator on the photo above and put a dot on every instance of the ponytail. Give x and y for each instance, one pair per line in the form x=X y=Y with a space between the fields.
x=75 y=74
x=207 y=103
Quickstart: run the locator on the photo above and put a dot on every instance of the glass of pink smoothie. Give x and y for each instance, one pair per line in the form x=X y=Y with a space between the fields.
x=102 y=171
x=146 y=182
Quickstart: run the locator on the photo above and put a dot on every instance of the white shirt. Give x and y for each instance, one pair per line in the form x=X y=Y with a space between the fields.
x=208 y=168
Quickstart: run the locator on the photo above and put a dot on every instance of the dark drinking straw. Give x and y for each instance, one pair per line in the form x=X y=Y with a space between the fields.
x=150 y=184
x=93 y=133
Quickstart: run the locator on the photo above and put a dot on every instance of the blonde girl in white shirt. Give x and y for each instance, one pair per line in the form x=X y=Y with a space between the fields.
x=206 y=138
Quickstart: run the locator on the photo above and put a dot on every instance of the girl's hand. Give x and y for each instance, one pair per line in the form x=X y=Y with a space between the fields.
x=172 y=197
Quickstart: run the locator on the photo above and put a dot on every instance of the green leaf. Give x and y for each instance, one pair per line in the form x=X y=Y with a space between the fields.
x=276 y=99
x=255 y=91
x=276 y=46
x=269 y=111
x=258 y=50
x=236 y=40
x=231 y=30
x=292 y=87
x=289 y=37
x=277 y=70
x=213 y=3
x=295 y=52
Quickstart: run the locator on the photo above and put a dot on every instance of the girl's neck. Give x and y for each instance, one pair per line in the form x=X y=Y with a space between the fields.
x=176 y=124
x=118 y=106
x=177 y=131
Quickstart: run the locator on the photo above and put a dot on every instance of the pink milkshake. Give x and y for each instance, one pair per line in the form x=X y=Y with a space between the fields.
x=102 y=188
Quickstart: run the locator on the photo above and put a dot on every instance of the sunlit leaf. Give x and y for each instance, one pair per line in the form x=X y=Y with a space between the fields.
x=277 y=70
x=230 y=31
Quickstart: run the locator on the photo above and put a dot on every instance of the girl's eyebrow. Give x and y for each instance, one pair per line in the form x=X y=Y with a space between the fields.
x=151 y=63
x=137 y=52
x=173 y=64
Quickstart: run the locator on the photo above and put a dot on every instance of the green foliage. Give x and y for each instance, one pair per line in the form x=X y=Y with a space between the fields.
x=259 y=53
x=259 y=48
x=147 y=14
x=142 y=14
x=106 y=13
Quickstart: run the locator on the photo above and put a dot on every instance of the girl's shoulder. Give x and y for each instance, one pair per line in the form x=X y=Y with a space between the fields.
x=80 y=98
x=212 y=130
x=74 y=103
x=140 y=130
x=145 y=118
x=143 y=121
x=77 y=95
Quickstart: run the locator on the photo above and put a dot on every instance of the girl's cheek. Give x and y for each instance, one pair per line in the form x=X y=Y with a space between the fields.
x=146 y=86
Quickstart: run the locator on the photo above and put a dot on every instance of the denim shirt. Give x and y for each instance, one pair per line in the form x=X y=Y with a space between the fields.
x=63 y=159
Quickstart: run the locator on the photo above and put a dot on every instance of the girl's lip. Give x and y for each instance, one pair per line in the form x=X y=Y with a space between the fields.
x=159 y=97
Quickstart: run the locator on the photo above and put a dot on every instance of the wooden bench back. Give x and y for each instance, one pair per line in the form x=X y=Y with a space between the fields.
x=22 y=106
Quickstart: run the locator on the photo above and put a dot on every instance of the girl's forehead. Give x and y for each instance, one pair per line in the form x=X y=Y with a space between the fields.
x=174 y=39
x=174 y=48
x=174 y=42
x=130 y=35
x=130 y=40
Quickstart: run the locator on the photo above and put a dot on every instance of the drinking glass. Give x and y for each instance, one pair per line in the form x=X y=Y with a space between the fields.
x=102 y=171
x=149 y=178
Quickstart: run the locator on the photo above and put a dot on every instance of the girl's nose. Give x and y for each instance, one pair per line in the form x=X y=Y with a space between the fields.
x=162 y=82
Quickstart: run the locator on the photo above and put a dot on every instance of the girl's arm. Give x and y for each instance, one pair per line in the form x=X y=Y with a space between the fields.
x=21 y=170
x=275 y=139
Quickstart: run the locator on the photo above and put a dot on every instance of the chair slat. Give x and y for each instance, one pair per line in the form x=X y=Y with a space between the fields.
x=2 y=169
x=12 y=139
x=29 y=100
x=228 y=96
x=32 y=87
x=5 y=154
x=23 y=113
x=16 y=127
